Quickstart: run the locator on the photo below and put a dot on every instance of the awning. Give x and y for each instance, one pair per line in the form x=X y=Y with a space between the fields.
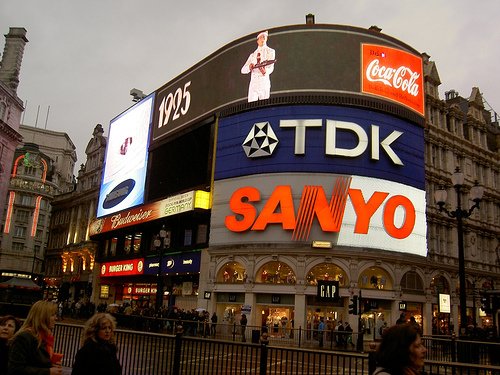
x=20 y=283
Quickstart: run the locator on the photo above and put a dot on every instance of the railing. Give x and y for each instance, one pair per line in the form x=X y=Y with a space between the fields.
x=154 y=353
x=296 y=337
x=451 y=349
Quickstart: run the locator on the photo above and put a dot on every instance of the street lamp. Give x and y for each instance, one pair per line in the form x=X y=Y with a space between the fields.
x=160 y=242
x=476 y=192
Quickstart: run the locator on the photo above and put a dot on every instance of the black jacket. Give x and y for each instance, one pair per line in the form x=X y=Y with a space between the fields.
x=96 y=358
x=26 y=357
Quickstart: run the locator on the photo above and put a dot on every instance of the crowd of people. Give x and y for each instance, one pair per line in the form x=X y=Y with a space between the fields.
x=28 y=349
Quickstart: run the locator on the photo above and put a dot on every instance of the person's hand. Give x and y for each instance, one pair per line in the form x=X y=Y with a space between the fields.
x=56 y=370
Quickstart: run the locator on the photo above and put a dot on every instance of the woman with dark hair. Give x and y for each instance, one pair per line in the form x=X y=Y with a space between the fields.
x=8 y=326
x=401 y=352
x=32 y=347
x=97 y=355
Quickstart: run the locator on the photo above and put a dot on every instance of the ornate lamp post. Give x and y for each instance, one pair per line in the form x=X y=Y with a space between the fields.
x=459 y=213
x=159 y=243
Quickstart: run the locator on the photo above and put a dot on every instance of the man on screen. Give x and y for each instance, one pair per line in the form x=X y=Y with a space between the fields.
x=260 y=64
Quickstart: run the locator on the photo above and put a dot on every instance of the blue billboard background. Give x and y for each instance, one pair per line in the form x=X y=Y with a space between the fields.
x=174 y=263
x=231 y=160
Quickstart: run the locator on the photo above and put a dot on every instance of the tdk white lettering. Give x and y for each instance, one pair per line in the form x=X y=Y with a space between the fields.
x=331 y=147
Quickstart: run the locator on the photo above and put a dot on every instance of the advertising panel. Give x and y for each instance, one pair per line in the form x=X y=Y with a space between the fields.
x=174 y=263
x=124 y=172
x=393 y=74
x=167 y=207
x=123 y=268
x=347 y=176
x=287 y=61
x=323 y=139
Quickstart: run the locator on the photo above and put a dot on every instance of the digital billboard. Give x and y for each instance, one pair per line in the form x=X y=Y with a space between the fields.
x=124 y=172
x=348 y=176
x=287 y=62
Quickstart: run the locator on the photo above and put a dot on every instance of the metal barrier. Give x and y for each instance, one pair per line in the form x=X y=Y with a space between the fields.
x=451 y=349
x=154 y=353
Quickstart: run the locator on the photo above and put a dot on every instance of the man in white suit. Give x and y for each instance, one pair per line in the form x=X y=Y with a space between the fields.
x=260 y=64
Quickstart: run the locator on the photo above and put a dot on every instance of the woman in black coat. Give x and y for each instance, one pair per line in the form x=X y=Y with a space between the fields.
x=98 y=354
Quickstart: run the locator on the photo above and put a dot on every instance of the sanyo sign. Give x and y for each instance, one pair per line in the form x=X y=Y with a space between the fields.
x=353 y=177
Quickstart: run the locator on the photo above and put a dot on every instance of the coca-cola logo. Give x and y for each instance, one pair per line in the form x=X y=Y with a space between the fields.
x=393 y=74
x=402 y=78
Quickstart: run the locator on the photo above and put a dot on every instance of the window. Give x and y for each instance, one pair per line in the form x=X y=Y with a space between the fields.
x=188 y=237
x=137 y=242
x=18 y=247
x=19 y=231
x=23 y=216
x=411 y=281
x=26 y=200
x=3 y=109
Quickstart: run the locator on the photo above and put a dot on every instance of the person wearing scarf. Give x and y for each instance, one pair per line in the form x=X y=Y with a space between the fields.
x=32 y=346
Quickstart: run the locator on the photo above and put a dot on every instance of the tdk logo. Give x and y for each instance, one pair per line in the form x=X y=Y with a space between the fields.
x=261 y=141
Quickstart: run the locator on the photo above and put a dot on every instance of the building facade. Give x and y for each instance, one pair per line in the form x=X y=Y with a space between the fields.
x=11 y=106
x=319 y=186
x=41 y=169
x=70 y=256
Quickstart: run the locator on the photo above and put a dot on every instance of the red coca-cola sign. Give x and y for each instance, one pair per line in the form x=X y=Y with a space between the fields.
x=393 y=74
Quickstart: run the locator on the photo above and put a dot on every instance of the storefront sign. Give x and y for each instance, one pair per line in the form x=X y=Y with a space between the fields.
x=167 y=207
x=444 y=303
x=123 y=268
x=276 y=299
x=328 y=291
x=139 y=289
x=402 y=306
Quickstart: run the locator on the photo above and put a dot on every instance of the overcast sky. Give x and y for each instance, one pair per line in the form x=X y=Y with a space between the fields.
x=84 y=57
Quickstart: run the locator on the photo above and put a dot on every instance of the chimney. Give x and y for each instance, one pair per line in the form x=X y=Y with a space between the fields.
x=310 y=19
x=10 y=66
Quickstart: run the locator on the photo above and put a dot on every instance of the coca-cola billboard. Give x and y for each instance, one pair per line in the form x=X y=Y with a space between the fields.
x=393 y=74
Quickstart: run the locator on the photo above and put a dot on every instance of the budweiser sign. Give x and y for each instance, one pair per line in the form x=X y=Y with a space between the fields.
x=393 y=74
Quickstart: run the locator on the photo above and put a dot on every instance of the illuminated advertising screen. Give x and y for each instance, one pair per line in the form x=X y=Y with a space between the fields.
x=324 y=60
x=174 y=263
x=349 y=176
x=124 y=172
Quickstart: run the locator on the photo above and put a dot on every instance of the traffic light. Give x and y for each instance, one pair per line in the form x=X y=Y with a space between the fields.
x=486 y=304
x=353 y=306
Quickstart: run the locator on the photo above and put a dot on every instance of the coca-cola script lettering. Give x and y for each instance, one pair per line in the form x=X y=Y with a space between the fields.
x=401 y=78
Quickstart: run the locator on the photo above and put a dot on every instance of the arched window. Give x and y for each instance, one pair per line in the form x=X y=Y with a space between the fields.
x=232 y=272
x=275 y=273
x=375 y=278
x=412 y=282
x=326 y=271
x=439 y=284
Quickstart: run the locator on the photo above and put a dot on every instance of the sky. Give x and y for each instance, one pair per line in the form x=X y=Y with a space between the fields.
x=84 y=57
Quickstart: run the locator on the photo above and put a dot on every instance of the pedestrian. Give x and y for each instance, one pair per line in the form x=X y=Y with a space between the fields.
x=9 y=325
x=32 y=347
x=348 y=334
x=401 y=352
x=98 y=354
x=401 y=319
x=321 y=331
x=213 y=326
x=415 y=324
x=243 y=323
